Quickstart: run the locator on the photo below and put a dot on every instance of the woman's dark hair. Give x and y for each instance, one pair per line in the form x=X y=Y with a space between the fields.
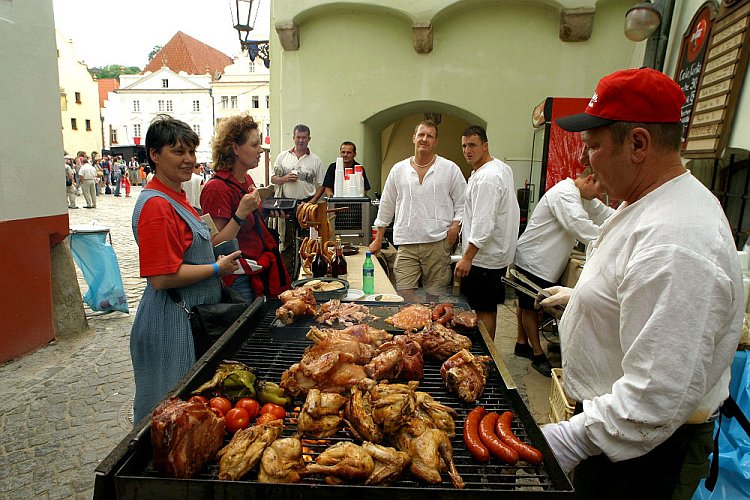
x=167 y=131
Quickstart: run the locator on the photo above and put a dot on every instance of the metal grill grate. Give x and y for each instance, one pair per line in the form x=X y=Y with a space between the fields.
x=352 y=224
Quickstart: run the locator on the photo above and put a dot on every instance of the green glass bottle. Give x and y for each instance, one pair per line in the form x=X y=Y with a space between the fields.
x=368 y=275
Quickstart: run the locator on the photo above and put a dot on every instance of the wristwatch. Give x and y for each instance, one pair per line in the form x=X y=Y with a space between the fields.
x=239 y=221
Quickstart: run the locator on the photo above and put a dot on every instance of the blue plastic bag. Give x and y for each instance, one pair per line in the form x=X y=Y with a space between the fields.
x=97 y=260
x=734 y=443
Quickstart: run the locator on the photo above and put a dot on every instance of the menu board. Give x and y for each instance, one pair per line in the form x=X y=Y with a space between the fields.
x=720 y=84
x=692 y=53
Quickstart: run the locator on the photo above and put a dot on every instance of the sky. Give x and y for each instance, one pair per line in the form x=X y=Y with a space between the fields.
x=108 y=32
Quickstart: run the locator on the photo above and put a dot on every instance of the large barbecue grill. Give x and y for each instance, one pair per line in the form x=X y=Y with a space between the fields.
x=129 y=473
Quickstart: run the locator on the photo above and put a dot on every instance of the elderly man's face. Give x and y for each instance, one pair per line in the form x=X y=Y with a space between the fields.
x=301 y=139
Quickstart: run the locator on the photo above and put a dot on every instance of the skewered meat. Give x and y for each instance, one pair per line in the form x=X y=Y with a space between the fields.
x=358 y=416
x=185 y=435
x=294 y=303
x=393 y=404
x=465 y=375
x=399 y=358
x=245 y=449
x=333 y=371
x=362 y=332
x=344 y=460
x=320 y=416
x=345 y=313
x=437 y=414
x=389 y=463
x=430 y=451
x=464 y=320
x=282 y=462
x=439 y=342
x=411 y=317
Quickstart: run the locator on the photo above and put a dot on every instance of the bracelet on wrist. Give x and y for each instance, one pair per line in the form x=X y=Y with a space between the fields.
x=238 y=220
x=216 y=269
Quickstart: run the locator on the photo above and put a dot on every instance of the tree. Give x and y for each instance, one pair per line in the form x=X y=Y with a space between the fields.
x=115 y=70
x=154 y=51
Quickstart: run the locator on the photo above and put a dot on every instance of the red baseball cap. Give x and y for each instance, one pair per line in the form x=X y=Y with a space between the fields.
x=633 y=95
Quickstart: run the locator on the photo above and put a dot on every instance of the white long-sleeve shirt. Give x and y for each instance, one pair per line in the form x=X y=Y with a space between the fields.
x=491 y=215
x=560 y=217
x=423 y=212
x=650 y=331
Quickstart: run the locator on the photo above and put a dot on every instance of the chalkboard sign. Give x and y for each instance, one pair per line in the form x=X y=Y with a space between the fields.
x=690 y=65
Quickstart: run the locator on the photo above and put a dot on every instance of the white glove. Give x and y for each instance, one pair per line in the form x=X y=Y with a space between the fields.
x=555 y=296
x=569 y=442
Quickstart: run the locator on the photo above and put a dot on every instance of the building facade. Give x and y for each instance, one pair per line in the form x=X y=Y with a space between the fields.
x=79 y=101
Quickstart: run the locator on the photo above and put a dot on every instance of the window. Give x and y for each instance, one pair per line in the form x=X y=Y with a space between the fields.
x=78 y=98
x=268 y=102
x=160 y=103
x=169 y=106
x=74 y=124
x=224 y=102
x=137 y=130
x=233 y=102
x=164 y=83
x=112 y=136
x=255 y=102
x=88 y=125
x=196 y=105
x=252 y=67
x=268 y=130
x=63 y=101
x=197 y=129
x=136 y=106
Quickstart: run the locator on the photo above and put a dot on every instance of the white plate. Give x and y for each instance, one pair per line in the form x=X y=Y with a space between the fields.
x=384 y=297
x=353 y=294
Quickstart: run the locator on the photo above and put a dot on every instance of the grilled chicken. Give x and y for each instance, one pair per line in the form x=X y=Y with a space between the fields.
x=464 y=320
x=294 y=303
x=430 y=451
x=465 y=375
x=320 y=416
x=411 y=317
x=362 y=353
x=282 y=462
x=362 y=332
x=437 y=414
x=332 y=372
x=389 y=463
x=244 y=451
x=400 y=358
x=439 y=342
x=343 y=461
x=358 y=416
x=393 y=404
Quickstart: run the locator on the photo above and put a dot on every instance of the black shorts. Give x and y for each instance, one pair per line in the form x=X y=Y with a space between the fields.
x=524 y=301
x=483 y=288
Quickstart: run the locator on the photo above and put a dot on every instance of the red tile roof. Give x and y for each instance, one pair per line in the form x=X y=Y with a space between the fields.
x=106 y=85
x=185 y=53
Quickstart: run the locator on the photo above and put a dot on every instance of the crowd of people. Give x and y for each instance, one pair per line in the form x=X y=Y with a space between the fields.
x=646 y=363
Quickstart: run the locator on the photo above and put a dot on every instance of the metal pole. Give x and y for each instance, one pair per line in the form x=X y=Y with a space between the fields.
x=656 y=47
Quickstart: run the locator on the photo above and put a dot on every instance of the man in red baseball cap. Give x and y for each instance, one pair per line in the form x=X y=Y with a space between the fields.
x=650 y=330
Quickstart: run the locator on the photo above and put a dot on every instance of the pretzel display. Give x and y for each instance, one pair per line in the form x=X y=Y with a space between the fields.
x=309 y=248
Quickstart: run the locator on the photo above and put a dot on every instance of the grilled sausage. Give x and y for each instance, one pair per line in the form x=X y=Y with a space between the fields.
x=525 y=452
x=442 y=313
x=471 y=435
x=496 y=446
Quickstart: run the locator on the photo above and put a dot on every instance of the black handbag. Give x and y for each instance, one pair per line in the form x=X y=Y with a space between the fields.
x=208 y=322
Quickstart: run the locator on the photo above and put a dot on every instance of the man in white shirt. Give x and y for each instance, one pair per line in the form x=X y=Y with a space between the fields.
x=651 y=328
x=424 y=194
x=567 y=211
x=193 y=188
x=298 y=173
x=490 y=228
x=88 y=180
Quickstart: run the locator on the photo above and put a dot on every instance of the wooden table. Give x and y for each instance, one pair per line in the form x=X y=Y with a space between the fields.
x=354 y=273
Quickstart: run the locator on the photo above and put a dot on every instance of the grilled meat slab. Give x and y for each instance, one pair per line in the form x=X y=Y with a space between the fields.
x=412 y=317
x=465 y=375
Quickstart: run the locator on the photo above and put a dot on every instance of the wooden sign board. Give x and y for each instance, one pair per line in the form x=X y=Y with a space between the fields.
x=720 y=85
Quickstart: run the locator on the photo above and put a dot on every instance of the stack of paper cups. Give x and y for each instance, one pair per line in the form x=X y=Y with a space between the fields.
x=338 y=183
x=350 y=183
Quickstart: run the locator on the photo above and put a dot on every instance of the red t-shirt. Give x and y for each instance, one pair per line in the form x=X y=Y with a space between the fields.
x=163 y=236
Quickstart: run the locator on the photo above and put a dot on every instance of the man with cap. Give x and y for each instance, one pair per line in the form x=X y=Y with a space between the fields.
x=650 y=330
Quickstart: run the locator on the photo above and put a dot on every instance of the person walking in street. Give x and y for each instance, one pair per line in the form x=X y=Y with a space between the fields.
x=568 y=211
x=70 y=185
x=233 y=202
x=88 y=177
x=118 y=172
x=650 y=330
x=489 y=227
x=176 y=255
x=424 y=194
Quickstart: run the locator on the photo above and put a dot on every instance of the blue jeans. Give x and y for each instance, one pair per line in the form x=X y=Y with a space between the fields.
x=242 y=286
x=118 y=183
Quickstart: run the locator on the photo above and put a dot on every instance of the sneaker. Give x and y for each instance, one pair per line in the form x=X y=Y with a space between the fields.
x=524 y=351
x=541 y=364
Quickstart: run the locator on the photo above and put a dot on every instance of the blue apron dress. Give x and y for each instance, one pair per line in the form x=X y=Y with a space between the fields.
x=161 y=341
